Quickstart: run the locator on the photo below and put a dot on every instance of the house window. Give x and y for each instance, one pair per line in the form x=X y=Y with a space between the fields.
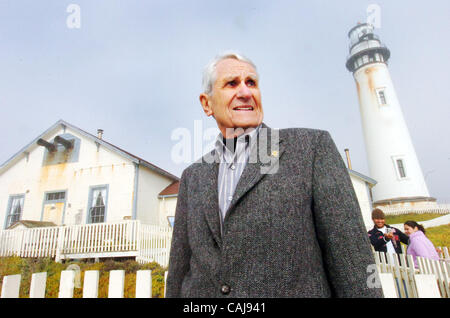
x=381 y=97
x=55 y=196
x=401 y=168
x=15 y=208
x=97 y=206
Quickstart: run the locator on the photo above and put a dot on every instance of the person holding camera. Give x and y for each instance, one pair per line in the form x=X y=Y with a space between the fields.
x=385 y=238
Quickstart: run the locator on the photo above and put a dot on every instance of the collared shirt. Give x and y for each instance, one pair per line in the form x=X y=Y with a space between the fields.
x=232 y=165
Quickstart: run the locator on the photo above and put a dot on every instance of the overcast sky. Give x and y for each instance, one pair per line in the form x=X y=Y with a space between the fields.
x=133 y=68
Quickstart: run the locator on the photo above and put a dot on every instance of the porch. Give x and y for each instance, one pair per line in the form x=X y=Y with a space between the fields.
x=131 y=238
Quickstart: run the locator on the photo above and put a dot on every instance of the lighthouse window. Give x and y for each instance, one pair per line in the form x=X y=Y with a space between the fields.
x=401 y=168
x=381 y=97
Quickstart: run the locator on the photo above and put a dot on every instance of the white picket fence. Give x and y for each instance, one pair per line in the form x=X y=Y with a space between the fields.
x=439 y=209
x=398 y=277
x=401 y=279
x=68 y=281
x=147 y=243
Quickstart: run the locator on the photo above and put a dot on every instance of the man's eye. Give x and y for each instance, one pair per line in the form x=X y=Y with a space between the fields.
x=251 y=83
x=231 y=83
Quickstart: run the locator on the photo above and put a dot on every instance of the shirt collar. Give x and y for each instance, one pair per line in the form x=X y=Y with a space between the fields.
x=248 y=138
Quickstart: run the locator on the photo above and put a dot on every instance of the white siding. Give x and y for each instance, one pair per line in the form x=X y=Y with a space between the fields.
x=167 y=207
x=150 y=185
x=103 y=167
x=362 y=193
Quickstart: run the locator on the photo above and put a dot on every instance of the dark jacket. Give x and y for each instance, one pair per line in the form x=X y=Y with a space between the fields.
x=298 y=232
x=379 y=242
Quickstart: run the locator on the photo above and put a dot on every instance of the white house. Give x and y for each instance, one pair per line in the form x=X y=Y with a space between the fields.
x=363 y=188
x=68 y=176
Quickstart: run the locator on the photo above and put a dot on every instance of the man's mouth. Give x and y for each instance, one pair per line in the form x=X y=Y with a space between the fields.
x=243 y=108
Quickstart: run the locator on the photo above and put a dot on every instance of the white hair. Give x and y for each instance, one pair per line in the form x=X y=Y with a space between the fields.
x=209 y=73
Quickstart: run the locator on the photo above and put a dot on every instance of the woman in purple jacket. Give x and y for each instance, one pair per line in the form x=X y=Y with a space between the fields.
x=419 y=244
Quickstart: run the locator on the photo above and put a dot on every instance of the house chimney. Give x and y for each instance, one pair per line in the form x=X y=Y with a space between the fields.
x=99 y=133
x=349 y=163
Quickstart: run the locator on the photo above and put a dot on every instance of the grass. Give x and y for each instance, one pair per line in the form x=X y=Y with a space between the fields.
x=402 y=218
x=439 y=235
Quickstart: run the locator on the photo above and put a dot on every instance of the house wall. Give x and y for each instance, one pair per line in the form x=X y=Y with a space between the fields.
x=167 y=207
x=362 y=193
x=95 y=166
x=150 y=184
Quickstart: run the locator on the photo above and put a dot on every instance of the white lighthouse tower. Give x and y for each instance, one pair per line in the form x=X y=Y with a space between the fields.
x=391 y=156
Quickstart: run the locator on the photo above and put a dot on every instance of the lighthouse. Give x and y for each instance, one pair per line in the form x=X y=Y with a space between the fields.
x=391 y=157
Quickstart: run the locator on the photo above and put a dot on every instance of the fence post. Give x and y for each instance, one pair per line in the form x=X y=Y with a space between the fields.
x=427 y=286
x=165 y=283
x=388 y=285
x=59 y=244
x=144 y=284
x=66 y=284
x=116 y=283
x=38 y=282
x=19 y=251
x=90 y=286
x=11 y=286
x=139 y=239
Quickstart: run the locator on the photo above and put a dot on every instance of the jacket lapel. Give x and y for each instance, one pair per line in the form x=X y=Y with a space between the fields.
x=211 y=198
x=263 y=160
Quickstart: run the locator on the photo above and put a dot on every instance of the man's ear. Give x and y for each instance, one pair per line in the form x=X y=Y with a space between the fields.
x=204 y=99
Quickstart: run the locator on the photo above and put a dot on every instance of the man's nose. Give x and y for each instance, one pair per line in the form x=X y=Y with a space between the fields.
x=244 y=92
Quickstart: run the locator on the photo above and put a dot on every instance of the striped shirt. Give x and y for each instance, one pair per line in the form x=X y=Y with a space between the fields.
x=232 y=165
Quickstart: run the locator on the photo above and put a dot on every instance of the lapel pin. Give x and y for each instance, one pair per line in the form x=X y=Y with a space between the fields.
x=274 y=153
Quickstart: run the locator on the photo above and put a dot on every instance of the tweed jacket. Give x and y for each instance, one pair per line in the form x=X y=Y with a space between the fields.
x=297 y=232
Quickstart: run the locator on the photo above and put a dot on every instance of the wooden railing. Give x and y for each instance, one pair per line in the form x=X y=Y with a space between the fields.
x=119 y=239
x=154 y=244
x=438 y=209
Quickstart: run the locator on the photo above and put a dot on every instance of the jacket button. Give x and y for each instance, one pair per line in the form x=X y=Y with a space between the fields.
x=225 y=289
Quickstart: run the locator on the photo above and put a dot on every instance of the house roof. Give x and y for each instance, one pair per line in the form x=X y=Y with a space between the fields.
x=102 y=142
x=356 y=174
x=31 y=224
x=171 y=189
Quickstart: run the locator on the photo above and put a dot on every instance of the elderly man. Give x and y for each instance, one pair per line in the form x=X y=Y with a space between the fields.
x=250 y=227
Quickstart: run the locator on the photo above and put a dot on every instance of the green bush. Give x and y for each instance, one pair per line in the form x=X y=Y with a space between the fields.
x=27 y=266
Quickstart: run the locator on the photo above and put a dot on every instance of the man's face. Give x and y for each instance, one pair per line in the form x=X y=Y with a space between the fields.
x=379 y=222
x=235 y=100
